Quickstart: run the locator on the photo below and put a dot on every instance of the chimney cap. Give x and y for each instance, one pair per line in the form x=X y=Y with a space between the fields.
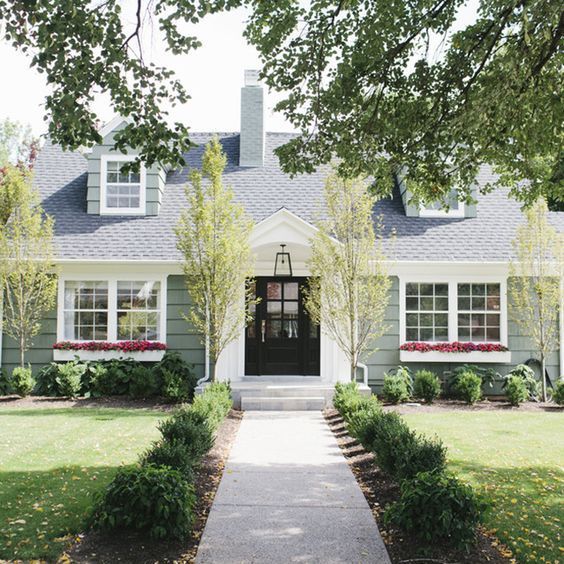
x=252 y=77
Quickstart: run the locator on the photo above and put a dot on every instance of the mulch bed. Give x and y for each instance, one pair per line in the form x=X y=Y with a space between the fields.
x=491 y=404
x=118 y=402
x=134 y=547
x=380 y=491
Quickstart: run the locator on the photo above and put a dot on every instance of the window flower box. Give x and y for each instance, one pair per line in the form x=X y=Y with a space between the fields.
x=455 y=352
x=145 y=351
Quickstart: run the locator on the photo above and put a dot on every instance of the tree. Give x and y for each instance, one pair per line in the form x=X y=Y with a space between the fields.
x=27 y=272
x=428 y=86
x=535 y=282
x=213 y=237
x=17 y=145
x=347 y=294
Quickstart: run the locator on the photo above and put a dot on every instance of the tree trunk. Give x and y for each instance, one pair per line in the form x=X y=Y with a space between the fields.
x=353 y=371
x=22 y=352
x=543 y=377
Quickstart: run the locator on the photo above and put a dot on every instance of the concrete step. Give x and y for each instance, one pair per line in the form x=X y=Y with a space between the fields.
x=273 y=390
x=282 y=403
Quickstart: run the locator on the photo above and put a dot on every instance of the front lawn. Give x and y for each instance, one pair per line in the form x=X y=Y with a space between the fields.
x=52 y=461
x=518 y=459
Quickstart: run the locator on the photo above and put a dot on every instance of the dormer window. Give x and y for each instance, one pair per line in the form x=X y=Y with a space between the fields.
x=121 y=192
x=437 y=209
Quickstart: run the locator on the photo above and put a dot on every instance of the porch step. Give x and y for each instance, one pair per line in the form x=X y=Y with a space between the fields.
x=282 y=403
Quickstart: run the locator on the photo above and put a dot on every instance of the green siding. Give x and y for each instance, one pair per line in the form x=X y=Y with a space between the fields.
x=155 y=178
x=181 y=336
x=40 y=354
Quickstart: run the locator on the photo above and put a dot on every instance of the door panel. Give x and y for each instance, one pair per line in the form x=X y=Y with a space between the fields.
x=281 y=338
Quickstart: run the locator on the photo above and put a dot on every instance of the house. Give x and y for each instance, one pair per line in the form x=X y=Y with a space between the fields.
x=121 y=276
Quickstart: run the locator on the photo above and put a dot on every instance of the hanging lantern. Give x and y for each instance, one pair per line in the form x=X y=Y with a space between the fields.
x=283 y=263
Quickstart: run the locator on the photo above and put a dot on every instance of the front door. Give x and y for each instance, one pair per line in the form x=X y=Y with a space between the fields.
x=281 y=338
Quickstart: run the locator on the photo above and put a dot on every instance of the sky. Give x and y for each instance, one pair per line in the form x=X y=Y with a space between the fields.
x=213 y=76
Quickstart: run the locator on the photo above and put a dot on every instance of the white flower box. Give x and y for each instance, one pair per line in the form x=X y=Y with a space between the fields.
x=142 y=356
x=472 y=357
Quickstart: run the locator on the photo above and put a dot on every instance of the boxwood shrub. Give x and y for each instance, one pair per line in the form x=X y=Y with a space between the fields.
x=195 y=435
x=558 y=392
x=395 y=389
x=426 y=386
x=22 y=381
x=468 y=387
x=516 y=390
x=435 y=507
x=176 y=455
x=158 y=500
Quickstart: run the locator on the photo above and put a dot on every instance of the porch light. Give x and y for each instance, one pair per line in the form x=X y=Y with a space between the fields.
x=283 y=263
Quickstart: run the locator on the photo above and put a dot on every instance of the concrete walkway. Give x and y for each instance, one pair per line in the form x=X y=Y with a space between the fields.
x=288 y=495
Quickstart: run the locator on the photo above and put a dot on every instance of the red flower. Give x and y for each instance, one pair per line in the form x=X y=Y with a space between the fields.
x=124 y=346
x=456 y=347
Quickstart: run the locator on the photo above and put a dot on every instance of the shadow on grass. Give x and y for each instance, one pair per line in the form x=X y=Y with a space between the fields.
x=106 y=413
x=527 y=506
x=40 y=511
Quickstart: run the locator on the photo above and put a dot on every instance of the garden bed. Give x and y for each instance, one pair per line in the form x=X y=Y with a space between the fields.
x=380 y=491
x=492 y=404
x=134 y=547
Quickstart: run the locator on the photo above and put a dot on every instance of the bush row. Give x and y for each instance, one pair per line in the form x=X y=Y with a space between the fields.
x=172 y=378
x=157 y=495
x=434 y=506
x=466 y=382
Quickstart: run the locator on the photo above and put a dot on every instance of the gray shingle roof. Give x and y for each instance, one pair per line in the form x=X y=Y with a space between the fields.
x=61 y=178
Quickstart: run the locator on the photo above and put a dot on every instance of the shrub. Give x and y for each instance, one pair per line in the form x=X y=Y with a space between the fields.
x=516 y=390
x=487 y=376
x=176 y=377
x=214 y=404
x=361 y=422
x=344 y=394
x=112 y=377
x=69 y=378
x=469 y=387
x=148 y=498
x=558 y=392
x=435 y=507
x=187 y=429
x=4 y=383
x=399 y=451
x=143 y=382
x=426 y=386
x=176 y=455
x=47 y=380
x=22 y=381
x=527 y=375
x=395 y=389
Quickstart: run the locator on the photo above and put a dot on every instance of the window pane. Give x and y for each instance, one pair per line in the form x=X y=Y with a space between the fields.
x=463 y=303
x=412 y=304
x=426 y=320
x=291 y=309
x=478 y=334
x=478 y=303
x=441 y=334
x=291 y=291
x=478 y=289
x=426 y=289
x=441 y=289
x=493 y=289
x=426 y=334
x=464 y=289
x=412 y=319
x=493 y=303
x=492 y=320
x=441 y=320
x=464 y=319
x=492 y=333
x=426 y=304
x=411 y=289
x=464 y=333
x=274 y=309
x=441 y=304
x=273 y=328
x=411 y=334
x=273 y=291
x=290 y=329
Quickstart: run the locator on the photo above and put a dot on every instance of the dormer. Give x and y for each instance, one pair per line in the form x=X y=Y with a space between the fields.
x=114 y=192
x=454 y=208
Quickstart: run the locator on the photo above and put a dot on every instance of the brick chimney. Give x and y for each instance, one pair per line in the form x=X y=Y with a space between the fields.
x=251 y=149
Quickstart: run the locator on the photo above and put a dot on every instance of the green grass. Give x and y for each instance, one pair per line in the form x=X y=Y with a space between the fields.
x=51 y=462
x=517 y=459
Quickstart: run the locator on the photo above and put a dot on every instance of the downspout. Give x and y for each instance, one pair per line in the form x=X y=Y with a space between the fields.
x=364 y=369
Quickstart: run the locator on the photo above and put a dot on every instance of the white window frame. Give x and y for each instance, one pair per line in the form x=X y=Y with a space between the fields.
x=453 y=282
x=104 y=209
x=112 y=301
x=460 y=212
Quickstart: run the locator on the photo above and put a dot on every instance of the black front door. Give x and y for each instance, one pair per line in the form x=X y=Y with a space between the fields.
x=281 y=338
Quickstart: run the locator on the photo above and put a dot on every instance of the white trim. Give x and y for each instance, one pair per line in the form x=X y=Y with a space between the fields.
x=442 y=213
x=142 y=356
x=453 y=281
x=104 y=209
x=497 y=357
x=112 y=299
